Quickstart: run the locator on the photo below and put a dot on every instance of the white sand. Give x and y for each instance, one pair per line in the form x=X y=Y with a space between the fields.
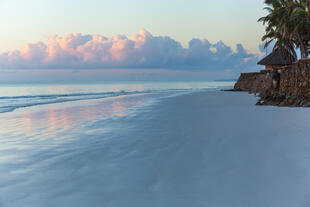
x=203 y=149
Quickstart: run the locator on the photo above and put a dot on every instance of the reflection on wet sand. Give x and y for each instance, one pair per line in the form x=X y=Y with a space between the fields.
x=118 y=109
x=51 y=120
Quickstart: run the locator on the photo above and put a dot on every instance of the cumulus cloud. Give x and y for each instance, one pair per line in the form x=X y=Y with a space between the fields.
x=142 y=50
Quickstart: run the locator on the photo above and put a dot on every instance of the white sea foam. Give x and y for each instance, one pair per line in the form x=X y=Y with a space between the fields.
x=10 y=103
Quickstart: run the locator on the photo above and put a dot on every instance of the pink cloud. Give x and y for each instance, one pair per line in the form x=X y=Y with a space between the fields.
x=142 y=50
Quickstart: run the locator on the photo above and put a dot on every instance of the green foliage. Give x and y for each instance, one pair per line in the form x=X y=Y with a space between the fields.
x=288 y=24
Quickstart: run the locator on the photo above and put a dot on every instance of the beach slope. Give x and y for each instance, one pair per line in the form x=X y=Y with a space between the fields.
x=197 y=149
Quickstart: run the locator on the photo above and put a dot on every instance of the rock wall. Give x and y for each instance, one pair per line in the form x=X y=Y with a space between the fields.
x=254 y=82
x=295 y=79
x=287 y=86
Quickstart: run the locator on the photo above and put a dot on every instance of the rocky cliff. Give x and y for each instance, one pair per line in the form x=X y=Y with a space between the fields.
x=287 y=86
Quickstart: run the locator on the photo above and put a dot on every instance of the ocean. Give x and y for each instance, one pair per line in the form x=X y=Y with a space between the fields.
x=14 y=96
x=116 y=144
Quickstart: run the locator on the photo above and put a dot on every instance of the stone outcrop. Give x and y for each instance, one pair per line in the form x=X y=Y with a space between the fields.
x=254 y=82
x=287 y=86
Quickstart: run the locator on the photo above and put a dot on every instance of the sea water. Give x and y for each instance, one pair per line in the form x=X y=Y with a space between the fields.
x=13 y=96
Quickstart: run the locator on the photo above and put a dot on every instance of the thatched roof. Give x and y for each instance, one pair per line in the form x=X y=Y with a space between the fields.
x=277 y=58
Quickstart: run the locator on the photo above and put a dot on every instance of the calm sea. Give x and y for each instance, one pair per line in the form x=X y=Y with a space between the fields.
x=14 y=96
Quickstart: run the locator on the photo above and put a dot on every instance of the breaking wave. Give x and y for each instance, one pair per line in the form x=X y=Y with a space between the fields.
x=10 y=103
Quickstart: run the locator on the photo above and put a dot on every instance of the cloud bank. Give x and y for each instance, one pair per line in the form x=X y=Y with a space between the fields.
x=142 y=50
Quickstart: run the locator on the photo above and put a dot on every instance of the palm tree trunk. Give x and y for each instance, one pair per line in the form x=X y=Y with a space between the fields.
x=303 y=52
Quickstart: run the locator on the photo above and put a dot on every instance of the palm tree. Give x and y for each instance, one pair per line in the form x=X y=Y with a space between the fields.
x=288 y=24
x=278 y=27
x=300 y=17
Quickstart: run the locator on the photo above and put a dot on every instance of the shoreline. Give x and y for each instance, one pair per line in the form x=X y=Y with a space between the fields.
x=185 y=150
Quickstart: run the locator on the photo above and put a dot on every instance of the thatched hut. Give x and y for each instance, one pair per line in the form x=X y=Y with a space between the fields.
x=276 y=60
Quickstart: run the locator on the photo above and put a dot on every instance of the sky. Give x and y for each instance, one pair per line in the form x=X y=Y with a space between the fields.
x=184 y=28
